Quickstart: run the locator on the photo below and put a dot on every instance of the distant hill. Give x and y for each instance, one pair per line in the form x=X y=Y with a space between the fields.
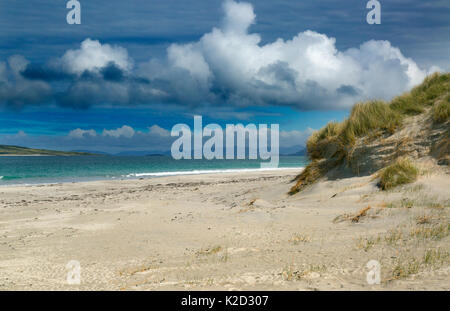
x=383 y=136
x=16 y=150
x=94 y=152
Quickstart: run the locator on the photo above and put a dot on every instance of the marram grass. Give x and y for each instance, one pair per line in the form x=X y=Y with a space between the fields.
x=402 y=171
x=369 y=119
x=441 y=110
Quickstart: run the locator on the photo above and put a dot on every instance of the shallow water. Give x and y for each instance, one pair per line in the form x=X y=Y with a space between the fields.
x=53 y=169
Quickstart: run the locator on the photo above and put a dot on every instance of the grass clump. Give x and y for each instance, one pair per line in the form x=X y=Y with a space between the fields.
x=367 y=118
x=405 y=104
x=309 y=175
x=434 y=232
x=441 y=111
x=300 y=238
x=402 y=171
x=431 y=88
x=435 y=257
x=422 y=96
x=325 y=142
x=404 y=269
x=210 y=251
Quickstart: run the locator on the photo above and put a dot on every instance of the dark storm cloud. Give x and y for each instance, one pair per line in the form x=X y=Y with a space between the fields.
x=44 y=73
x=39 y=31
x=231 y=65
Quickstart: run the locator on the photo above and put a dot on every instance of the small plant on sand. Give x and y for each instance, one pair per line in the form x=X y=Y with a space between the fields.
x=403 y=269
x=393 y=236
x=290 y=273
x=300 y=238
x=435 y=257
x=435 y=205
x=403 y=203
x=433 y=232
x=423 y=219
x=366 y=243
x=401 y=172
x=210 y=251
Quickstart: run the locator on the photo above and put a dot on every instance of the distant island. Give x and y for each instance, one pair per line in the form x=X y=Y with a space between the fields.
x=23 y=151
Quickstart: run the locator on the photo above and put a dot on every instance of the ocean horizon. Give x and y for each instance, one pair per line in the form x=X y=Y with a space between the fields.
x=23 y=170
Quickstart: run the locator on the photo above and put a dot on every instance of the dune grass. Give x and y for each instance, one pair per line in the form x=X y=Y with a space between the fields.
x=308 y=176
x=402 y=171
x=365 y=118
x=422 y=96
x=335 y=141
x=378 y=116
x=441 y=110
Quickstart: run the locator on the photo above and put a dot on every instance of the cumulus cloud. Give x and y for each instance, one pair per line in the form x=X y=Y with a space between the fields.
x=306 y=72
x=80 y=133
x=157 y=130
x=15 y=90
x=92 y=56
x=124 y=131
x=227 y=67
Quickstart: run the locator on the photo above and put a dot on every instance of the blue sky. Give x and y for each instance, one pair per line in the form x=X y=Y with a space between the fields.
x=157 y=63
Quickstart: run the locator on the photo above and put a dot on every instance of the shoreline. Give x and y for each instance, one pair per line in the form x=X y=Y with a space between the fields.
x=140 y=176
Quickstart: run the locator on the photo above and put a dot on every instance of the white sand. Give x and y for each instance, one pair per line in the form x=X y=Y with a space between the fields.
x=223 y=231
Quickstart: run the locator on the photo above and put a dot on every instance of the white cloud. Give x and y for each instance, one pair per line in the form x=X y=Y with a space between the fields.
x=294 y=137
x=227 y=67
x=238 y=17
x=124 y=131
x=157 y=130
x=79 y=133
x=93 y=55
x=306 y=71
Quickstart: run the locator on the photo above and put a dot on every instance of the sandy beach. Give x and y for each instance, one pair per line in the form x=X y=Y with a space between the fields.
x=235 y=231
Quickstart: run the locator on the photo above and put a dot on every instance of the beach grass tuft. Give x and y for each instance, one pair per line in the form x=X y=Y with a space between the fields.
x=402 y=171
x=441 y=110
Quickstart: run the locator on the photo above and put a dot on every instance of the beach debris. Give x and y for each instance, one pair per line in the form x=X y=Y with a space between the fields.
x=354 y=218
x=361 y=214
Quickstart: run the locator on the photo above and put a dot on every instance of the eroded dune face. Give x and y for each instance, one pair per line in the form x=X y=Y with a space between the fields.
x=419 y=138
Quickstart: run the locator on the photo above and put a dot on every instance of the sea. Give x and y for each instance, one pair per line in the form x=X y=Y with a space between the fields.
x=20 y=170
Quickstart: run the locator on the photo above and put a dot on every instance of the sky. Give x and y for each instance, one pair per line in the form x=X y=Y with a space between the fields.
x=131 y=70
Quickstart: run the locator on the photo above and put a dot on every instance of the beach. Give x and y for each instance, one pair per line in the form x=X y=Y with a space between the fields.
x=225 y=231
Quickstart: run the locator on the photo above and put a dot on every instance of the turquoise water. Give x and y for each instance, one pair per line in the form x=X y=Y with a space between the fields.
x=32 y=170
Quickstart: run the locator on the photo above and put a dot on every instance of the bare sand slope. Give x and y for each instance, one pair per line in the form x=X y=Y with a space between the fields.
x=225 y=231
